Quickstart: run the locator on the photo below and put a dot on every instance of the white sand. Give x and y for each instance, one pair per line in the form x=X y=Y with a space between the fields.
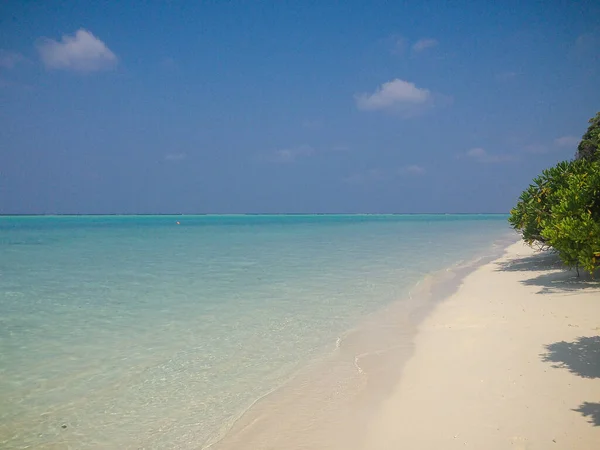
x=479 y=379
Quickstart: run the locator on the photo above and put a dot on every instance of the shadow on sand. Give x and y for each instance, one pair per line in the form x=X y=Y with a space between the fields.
x=554 y=276
x=580 y=357
x=540 y=261
x=591 y=410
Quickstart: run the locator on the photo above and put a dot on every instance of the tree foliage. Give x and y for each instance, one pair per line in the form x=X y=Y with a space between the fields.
x=589 y=147
x=561 y=208
x=573 y=228
x=534 y=208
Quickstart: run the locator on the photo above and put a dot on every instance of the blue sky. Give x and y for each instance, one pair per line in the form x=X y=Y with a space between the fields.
x=313 y=106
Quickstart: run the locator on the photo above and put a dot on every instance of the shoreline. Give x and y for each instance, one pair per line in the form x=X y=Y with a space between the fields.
x=512 y=360
x=361 y=373
x=177 y=346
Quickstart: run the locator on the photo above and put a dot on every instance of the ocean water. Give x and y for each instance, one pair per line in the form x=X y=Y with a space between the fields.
x=139 y=332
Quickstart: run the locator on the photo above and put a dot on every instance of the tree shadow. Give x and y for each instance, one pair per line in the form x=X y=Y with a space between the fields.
x=540 y=261
x=562 y=281
x=591 y=410
x=581 y=357
x=555 y=277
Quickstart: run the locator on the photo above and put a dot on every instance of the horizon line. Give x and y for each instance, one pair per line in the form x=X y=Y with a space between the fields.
x=246 y=214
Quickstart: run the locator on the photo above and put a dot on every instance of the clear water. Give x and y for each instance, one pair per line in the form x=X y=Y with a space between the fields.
x=137 y=332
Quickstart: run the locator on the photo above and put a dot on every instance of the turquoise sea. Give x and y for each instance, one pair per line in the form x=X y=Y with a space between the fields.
x=160 y=331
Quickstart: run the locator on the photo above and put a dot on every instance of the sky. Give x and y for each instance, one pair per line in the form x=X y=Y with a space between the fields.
x=289 y=106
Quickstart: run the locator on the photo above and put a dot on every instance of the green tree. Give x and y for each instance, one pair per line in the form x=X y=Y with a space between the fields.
x=573 y=226
x=589 y=147
x=561 y=208
x=535 y=204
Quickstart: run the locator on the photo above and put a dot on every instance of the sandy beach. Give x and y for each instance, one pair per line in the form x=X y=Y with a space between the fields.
x=504 y=356
x=510 y=361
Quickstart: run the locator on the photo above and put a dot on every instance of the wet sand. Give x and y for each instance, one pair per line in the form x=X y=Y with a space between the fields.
x=328 y=404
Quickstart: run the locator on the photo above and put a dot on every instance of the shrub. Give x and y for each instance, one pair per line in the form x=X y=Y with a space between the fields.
x=573 y=226
x=561 y=208
x=535 y=204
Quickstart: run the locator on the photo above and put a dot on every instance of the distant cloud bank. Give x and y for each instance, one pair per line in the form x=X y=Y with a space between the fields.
x=81 y=52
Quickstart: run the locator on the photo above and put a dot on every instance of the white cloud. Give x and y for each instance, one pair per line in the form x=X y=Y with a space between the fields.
x=82 y=52
x=412 y=169
x=566 y=141
x=424 y=44
x=395 y=94
x=290 y=155
x=175 y=156
x=9 y=60
x=481 y=155
x=477 y=153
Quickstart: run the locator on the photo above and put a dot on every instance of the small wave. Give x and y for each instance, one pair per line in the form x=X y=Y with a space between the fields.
x=381 y=351
x=356 y=358
x=211 y=442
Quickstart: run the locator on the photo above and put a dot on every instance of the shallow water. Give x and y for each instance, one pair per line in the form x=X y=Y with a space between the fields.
x=136 y=332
